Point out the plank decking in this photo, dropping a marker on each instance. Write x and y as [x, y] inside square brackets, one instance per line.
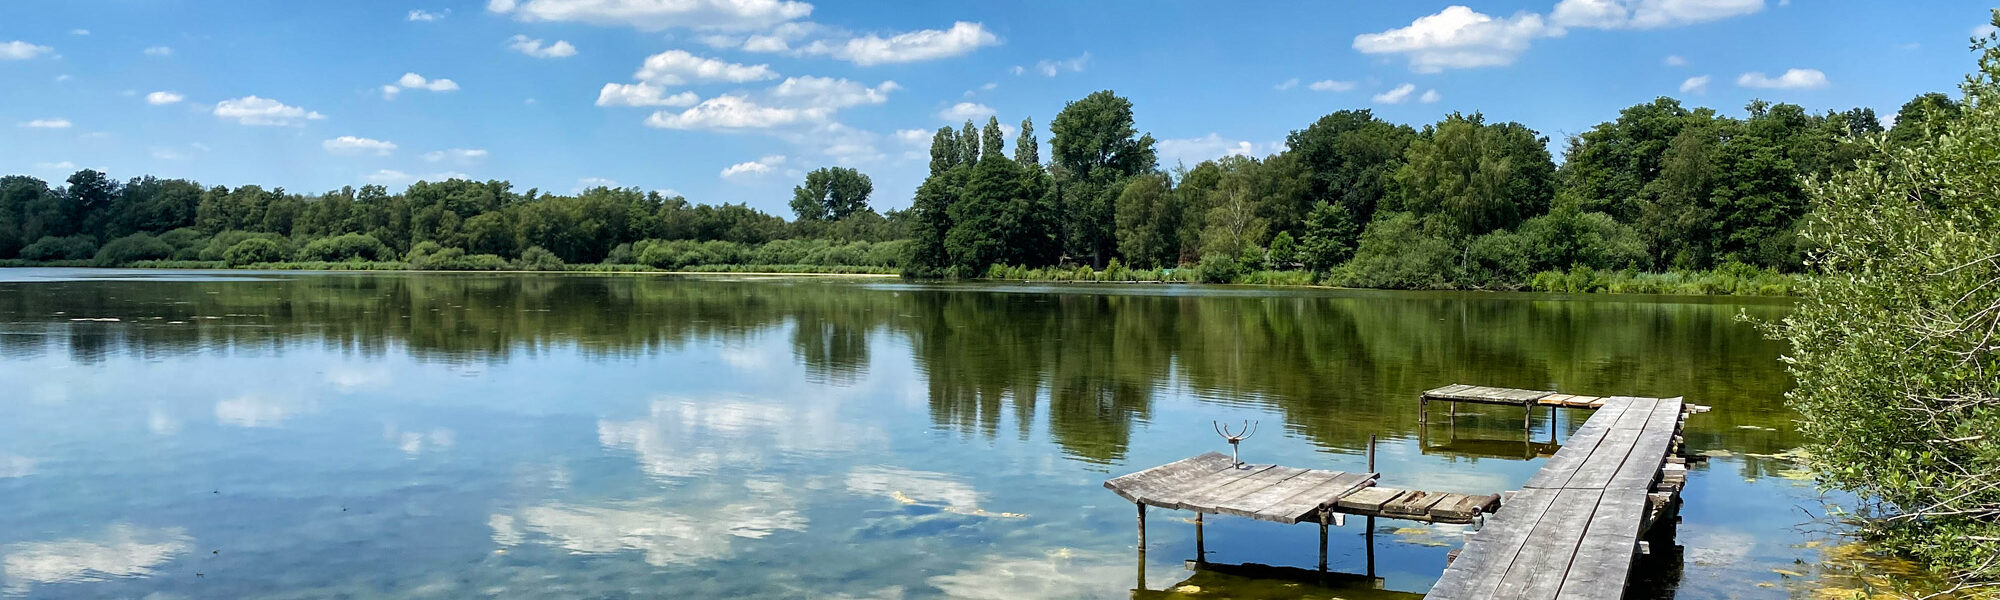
[1573, 529]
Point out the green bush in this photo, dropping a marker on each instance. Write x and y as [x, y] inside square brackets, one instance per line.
[621, 254]
[536, 258]
[135, 247]
[252, 251]
[75, 247]
[347, 247]
[1218, 268]
[1395, 252]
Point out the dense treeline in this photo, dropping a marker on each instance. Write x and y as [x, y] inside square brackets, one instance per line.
[450, 224]
[1354, 200]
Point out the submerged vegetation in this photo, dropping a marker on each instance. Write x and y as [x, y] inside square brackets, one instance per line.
[1893, 341]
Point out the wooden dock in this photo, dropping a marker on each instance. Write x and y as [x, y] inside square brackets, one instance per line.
[1574, 529]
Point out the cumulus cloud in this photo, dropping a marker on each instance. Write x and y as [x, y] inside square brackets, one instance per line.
[415, 81]
[426, 16]
[159, 51]
[393, 178]
[56, 123]
[642, 94]
[732, 112]
[1189, 151]
[19, 50]
[1695, 85]
[1793, 79]
[913, 46]
[351, 145]
[158, 98]
[1430, 96]
[675, 67]
[655, 15]
[55, 166]
[253, 110]
[965, 111]
[914, 136]
[1674, 60]
[463, 155]
[1396, 95]
[1983, 30]
[830, 93]
[1051, 68]
[1458, 38]
[756, 167]
[1286, 84]
[534, 47]
[79, 31]
[1329, 85]
[1647, 14]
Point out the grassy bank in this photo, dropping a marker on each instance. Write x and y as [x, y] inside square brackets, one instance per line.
[490, 267]
[1729, 281]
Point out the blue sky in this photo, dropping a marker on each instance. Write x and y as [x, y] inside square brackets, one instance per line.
[732, 100]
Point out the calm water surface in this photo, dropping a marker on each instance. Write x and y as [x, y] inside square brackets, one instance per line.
[286, 435]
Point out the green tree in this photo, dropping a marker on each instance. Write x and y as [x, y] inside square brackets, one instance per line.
[990, 139]
[1148, 214]
[968, 145]
[1027, 150]
[1891, 342]
[944, 150]
[1464, 178]
[1330, 237]
[1924, 118]
[1095, 147]
[1350, 158]
[979, 233]
[831, 194]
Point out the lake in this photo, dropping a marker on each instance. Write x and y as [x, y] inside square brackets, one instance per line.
[304, 435]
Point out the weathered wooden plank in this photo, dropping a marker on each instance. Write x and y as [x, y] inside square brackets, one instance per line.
[1637, 412]
[1414, 504]
[1449, 389]
[1136, 486]
[1604, 557]
[1489, 553]
[1197, 487]
[1463, 507]
[1649, 454]
[1576, 450]
[1583, 401]
[1209, 499]
[1250, 505]
[1368, 499]
[1538, 572]
[1554, 400]
[1304, 503]
[1605, 459]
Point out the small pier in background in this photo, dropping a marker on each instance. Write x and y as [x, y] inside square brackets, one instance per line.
[1572, 531]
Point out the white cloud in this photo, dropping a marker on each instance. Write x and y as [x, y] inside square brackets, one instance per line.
[1017, 70]
[1647, 14]
[1674, 60]
[675, 67]
[533, 47]
[756, 167]
[1190, 151]
[1286, 84]
[426, 16]
[642, 94]
[831, 93]
[252, 110]
[418, 82]
[912, 46]
[732, 112]
[393, 178]
[655, 15]
[1793, 79]
[464, 155]
[964, 111]
[1050, 68]
[159, 51]
[914, 136]
[389, 92]
[1430, 97]
[159, 98]
[56, 123]
[19, 50]
[1695, 85]
[1397, 95]
[351, 145]
[1983, 30]
[990, 85]
[1329, 85]
[55, 166]
[594, 182]
[62, 78]
[169, 154]
[79, 31]
[1458, 38]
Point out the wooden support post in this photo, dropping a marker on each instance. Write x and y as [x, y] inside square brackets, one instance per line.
[1142, 527]
[1371, 545]
[1322, 538]
[1200, 545]
[1371, 453]
[1423, 410]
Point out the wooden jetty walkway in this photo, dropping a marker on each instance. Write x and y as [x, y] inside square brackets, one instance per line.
[1572, 531]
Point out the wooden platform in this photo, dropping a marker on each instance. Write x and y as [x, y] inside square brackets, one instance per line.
[1212, 484]
[1573, 530]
